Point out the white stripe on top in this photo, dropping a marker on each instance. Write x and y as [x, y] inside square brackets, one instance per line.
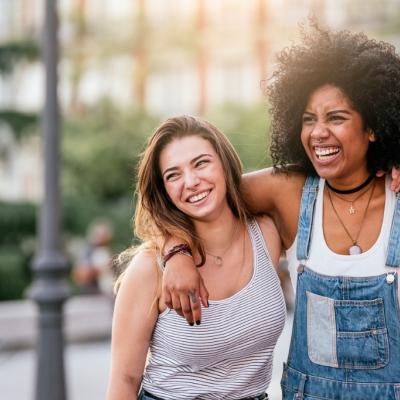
[228, 356]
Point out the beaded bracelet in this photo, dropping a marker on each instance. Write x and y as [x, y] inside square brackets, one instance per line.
[181, 248]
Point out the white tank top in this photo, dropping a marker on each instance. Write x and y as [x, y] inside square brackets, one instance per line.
[228, 356]
[324, 261]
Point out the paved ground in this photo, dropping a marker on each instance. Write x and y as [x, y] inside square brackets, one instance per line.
[87, 363]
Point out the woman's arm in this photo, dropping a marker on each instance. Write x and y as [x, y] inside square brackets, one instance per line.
[265, 191]
[135, 314]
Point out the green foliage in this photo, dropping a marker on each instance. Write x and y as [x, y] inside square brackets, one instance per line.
[17, 51]
[17, 221]
[100, 152]
[13, 276]
[17, 227]
[247, 129]
[12, 53]
[19, 122]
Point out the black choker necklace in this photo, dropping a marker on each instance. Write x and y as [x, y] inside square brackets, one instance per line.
[349, 191]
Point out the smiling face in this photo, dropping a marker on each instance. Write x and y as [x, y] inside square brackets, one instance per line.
[334, 137]
[194, 178]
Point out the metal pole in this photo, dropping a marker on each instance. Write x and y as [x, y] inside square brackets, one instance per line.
[50, 288]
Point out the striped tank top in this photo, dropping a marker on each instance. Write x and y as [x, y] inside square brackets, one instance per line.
[228, 356]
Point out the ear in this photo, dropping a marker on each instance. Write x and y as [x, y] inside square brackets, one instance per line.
[371, 135]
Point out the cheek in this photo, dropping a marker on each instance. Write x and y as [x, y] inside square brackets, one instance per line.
[304, 139]
[359, 145]
[172, 192]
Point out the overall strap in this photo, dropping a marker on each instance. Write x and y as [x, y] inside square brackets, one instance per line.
[308, 198]
[393, 252]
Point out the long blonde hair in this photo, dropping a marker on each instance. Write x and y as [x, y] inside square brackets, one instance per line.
[156, 217]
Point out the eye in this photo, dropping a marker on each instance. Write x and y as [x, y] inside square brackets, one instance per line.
[172, 177]
[337, 118]
[307, 119]
[202, 162]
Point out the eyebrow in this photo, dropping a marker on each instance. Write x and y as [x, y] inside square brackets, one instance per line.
[170, 169]
[330, 112]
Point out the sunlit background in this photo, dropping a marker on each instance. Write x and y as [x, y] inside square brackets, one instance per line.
[125, 66]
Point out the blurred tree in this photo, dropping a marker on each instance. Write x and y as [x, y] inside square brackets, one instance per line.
[11, 54]
[17, 221]
[100, 150]
[15, 52]
[101, 147]
[247, 128]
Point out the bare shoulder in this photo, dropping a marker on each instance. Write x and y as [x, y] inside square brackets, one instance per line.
[271, 238]
[141, 275]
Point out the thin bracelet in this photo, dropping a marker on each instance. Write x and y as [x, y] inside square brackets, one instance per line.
[181, 248]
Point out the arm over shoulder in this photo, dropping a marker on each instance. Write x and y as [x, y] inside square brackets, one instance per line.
[277, 194]
[267, 189]
[135, 315]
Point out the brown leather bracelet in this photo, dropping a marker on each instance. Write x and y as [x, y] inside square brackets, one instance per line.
[181, 248]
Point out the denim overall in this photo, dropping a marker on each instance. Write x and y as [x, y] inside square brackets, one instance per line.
[346, 330]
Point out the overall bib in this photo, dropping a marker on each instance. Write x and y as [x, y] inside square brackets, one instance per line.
[346, 330]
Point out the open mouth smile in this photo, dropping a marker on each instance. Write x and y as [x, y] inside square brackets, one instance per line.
[198, 197]
[326, 153]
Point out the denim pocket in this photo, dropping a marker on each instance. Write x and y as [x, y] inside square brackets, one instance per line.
[321, 330]
[362, 341]
[346, 333]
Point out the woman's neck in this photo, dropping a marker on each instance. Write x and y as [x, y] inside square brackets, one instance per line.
[349, 183]
[218, 233]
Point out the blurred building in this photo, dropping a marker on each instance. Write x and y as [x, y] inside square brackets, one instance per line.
[164, 57]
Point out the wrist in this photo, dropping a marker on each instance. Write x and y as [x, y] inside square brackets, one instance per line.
[181, 248]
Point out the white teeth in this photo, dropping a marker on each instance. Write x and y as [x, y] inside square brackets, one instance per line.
[324, 153]
[198, 197]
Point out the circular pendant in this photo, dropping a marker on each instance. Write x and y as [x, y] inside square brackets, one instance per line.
[218, 260]
[355, 249]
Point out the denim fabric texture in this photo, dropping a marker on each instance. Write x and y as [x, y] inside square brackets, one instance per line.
[146, 396]
[310, 191]
[142, 396]
[393, 257]
[346, 330]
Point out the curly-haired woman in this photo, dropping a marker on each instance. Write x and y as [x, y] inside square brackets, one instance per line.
[335, 104]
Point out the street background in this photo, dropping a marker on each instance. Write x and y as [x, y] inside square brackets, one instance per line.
[87, 360]
[124, 66]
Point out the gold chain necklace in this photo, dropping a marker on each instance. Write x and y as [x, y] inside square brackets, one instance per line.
[218, 259]
[351, 208]
[355, 247]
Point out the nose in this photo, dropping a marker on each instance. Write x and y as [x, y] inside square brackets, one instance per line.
[319, 131]
[191, 179]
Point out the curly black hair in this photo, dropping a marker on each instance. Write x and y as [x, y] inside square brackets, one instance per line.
[367, 71]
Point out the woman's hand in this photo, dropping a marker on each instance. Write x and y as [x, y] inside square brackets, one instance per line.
[395, 185]
[183, 288]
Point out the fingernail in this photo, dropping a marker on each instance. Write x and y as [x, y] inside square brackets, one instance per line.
[191, 323]
[198, 322]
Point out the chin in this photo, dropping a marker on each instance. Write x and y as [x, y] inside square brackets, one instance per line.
[326, 173]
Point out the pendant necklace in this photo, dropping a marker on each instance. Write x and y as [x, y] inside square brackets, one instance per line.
[352, 209]
[354, 248]
[218, 259]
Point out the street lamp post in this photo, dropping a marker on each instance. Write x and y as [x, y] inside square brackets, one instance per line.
[50, 288]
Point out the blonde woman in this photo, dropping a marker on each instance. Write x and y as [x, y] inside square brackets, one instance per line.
[188, 187]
